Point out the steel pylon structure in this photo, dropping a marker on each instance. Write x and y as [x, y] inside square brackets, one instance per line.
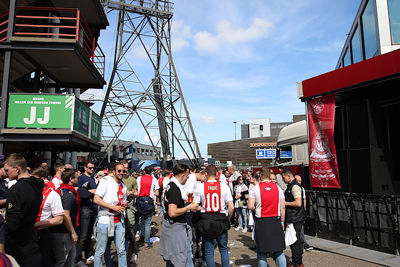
[148, 94]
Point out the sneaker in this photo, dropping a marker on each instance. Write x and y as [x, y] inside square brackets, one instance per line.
[307, 247]
[133, 258]
[244, 230]
[238, 228]
[90, 260]
[149, 245]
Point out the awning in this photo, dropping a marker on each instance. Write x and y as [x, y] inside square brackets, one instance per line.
[379, 68]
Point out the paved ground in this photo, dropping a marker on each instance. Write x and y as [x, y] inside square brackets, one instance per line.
[241, 255]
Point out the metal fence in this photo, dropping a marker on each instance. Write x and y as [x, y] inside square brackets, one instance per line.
[369, 221]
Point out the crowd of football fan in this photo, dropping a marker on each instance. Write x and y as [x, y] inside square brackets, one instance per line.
[67, 217]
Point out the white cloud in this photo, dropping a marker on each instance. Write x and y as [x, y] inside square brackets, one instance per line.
[207, 120]
[184, 156]
[332, 47]
[181, 34]
[153, 137]
[138, 50]
[228, 35]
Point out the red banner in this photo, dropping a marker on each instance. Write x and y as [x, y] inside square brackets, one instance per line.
[323, 161]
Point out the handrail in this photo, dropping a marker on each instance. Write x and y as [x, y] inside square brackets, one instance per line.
[3, 26]
[51, 22]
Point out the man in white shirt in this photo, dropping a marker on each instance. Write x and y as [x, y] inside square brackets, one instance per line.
[191, 182]
[111, 197]
[50, 215]
[214, 196]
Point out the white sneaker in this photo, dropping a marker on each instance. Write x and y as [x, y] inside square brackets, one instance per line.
[238, 228]
[133, 258]
[90, 260]
[244, 231]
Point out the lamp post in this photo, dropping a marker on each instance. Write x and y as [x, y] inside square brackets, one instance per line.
[235, 128]
[235, 152]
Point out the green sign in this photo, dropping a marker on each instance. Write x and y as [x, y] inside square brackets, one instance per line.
[240, 164]
[40, 111]
[247, 164]
[95, 126]
[52, 111]
[259, 163]
[81, 117]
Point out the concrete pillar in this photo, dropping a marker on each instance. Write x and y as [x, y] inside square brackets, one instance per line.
[47, 158]
[74, 154]
[74, 159]
[67, 157]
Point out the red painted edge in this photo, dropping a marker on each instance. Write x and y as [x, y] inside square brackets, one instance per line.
[368, 70]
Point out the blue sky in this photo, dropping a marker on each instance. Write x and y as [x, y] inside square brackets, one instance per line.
[239, 60]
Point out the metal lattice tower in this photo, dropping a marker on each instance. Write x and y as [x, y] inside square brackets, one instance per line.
[151, 94]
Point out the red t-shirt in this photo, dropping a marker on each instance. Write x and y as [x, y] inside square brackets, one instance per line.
[212, 195]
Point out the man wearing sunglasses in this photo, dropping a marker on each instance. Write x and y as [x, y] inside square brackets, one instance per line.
[86, 190]
[111, 197]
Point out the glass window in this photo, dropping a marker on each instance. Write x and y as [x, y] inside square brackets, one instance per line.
[394, 15]
[346, 58]
[356, 46]
[369, 30]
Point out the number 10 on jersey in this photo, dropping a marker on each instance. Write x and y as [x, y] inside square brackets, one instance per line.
[213, 202]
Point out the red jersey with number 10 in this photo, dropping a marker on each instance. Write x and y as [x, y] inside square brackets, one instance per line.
[212, 195]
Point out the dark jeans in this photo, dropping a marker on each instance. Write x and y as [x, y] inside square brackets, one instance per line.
[65, 250]
[303, 238]
[48, 246]
[87, 218]
[297, 247]
[130, 236]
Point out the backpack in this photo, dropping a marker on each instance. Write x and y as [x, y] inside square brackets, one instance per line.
[145, 205]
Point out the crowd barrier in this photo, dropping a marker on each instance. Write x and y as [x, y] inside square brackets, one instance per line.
[369, 221]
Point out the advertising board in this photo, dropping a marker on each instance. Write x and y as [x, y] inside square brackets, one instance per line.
[52, 111]
[40, 111]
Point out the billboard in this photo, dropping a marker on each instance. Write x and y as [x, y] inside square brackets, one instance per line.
[51, 111]
[40, 111]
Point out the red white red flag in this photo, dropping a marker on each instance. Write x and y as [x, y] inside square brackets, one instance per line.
[323, 160]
